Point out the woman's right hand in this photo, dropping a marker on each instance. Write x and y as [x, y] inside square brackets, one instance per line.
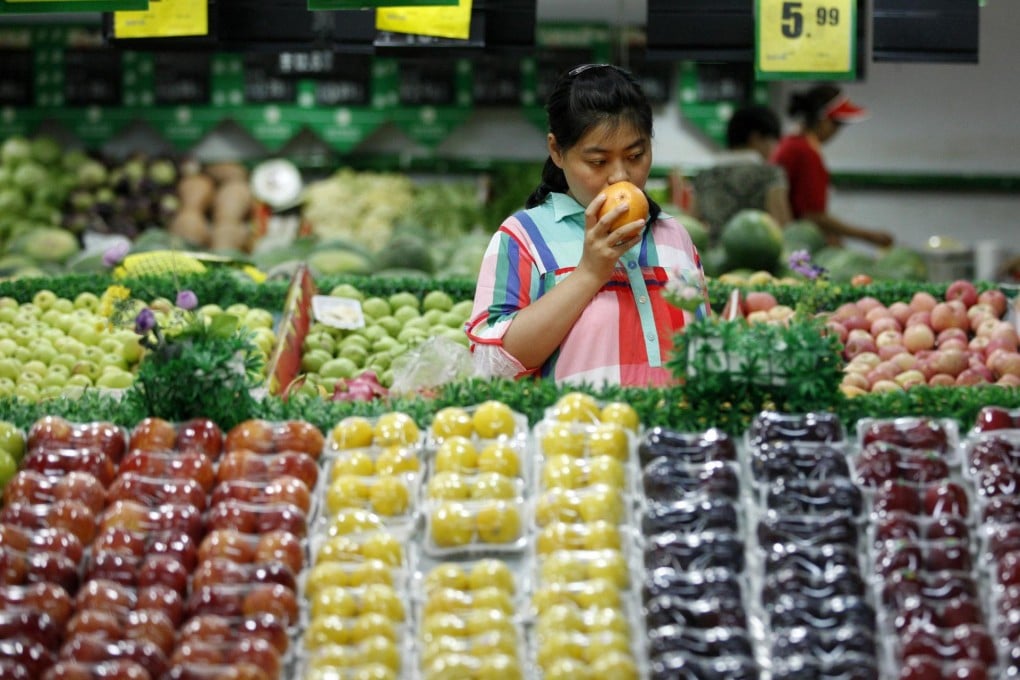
[604, 245]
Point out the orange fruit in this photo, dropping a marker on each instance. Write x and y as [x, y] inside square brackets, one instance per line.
[625, 192]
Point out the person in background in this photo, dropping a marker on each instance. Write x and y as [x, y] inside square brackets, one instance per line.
[821, 110]
[741, 178]
[560, 294]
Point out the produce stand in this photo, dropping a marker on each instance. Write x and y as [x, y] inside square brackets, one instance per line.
[756, 522]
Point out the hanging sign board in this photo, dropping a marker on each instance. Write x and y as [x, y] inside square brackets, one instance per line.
[440, 22]
[164, 19]
[364, 4]
[805, 39]
[70, 6]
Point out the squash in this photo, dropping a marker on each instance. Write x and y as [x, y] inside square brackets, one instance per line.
[232, 202]
[196, 192]
[191, 225]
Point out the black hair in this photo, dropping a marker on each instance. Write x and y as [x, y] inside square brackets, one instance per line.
[584, 97]
[748, 120]
[809, 105]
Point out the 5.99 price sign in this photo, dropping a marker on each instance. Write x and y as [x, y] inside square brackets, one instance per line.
[805, 39]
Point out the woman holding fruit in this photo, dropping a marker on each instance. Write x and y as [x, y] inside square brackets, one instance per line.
[571, 288]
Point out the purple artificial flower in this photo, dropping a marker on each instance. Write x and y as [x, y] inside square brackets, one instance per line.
[187, 299]
[800, 262]
[115, 253]
[145, 321]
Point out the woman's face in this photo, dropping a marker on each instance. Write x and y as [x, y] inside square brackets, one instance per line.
[606, 154]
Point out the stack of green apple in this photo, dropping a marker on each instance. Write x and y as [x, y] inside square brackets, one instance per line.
[393, 325]
[53, 346]
[12, 449]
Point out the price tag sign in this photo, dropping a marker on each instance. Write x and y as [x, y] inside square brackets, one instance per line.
[805, 39]
[440, 22]
[164, 19]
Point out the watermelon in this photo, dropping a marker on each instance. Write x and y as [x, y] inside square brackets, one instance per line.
[697, 230]
[843, 264]
[714, 262]
[803, 235]
[752, 240]
[900, 264]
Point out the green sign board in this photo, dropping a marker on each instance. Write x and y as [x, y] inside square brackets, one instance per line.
[69, 6]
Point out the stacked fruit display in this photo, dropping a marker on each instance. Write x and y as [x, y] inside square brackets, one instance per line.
[392, 326]
[53, 346]
[961, 340]
[153, 554]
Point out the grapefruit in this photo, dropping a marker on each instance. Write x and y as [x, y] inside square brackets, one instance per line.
[624, 192]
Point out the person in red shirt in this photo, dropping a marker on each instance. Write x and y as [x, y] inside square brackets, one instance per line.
[821, 110]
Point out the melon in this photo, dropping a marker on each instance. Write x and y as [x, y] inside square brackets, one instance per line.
[900, 264]
[752, 240]
[697, 230]
[803, 235]
[45, 244]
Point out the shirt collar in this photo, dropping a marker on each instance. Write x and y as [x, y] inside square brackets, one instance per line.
[564, 206]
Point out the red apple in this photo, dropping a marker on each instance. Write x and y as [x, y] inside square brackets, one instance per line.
[858, 345]
[941, 379]
[922, 301]
[910, 378]
[868, 302]
[918, 319]
[838, 329]
[962, 290]
[847, 310]
[885, 323]
[759, 301]
[949, 315]
[949, 361]
[996, 299]
[856, 322]
[901, 312]
[879, 311]
[891, 351]
[918, 337]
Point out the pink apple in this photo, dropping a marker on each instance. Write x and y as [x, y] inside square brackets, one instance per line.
[852, 391]
[978, 344]
[885, 323]
[962, 290]
[884, 371]
[858, 322]
[978, 313]
[889, 337]
[950, 333]
[985, 325]
[996, 299]
[855, 346]
[950, 361]
[954, 343]
[866, 359]
[922, 301]
[942, 379]
[891, 350]
[759, 300]
[905, 360]
[922, 318]
[970, 376]
[1009, 380]
[1006, 363]
[856, 379]
[846, 310]
[837, 329]
[867, 303]
[949, 315]
[879, 312]
[886, 386]
[918, 337]
[910, 378]
[1006, 331]
[995, 343]
[900, 311]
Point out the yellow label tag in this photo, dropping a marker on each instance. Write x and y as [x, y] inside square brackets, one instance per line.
[164, 19]
[806, 36]
[439, 21]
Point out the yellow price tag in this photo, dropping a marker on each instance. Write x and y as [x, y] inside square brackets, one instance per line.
[164, 19]
[439, 21]
[800, 38]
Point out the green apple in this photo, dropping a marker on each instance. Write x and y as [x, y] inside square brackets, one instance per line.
[7, 314]
[340, 367]
[8, 467]
[79, 379]
[347, 290]
[34, 377]
[85, 333]
[7, 346]
[34, 366]
[44, 299]
[373, 333]
[12, 440]
[458, 336]
[130, 345]
[44, 351]
[418, 322]
[210, 310]
[437, 299]
[92, 353]
[432, 316]
[385, 343]
[22, 354]
[31, 309]
[112, 360]
[57, 379]
[27, 391]
[86, 300]
[375, 307]
[411, 336]
[63, 305]
[87, 368]
[452, 319]
[10, 368]
[404, 299]
[115, 380]
[68, 345]
[405, 315]
[7, 387]
[7, 302]
[356, 340]
[354, 353]
[463, 308]
[66, 360]
[390, 323]
[265, 339]
[52, 334]
[47, 392]
[313, 359]
[110, 344]
[23, 335]
[319, 340]
[256, 317]
[238, 309]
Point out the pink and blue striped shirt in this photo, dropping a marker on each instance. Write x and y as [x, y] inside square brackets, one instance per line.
[625, 333]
